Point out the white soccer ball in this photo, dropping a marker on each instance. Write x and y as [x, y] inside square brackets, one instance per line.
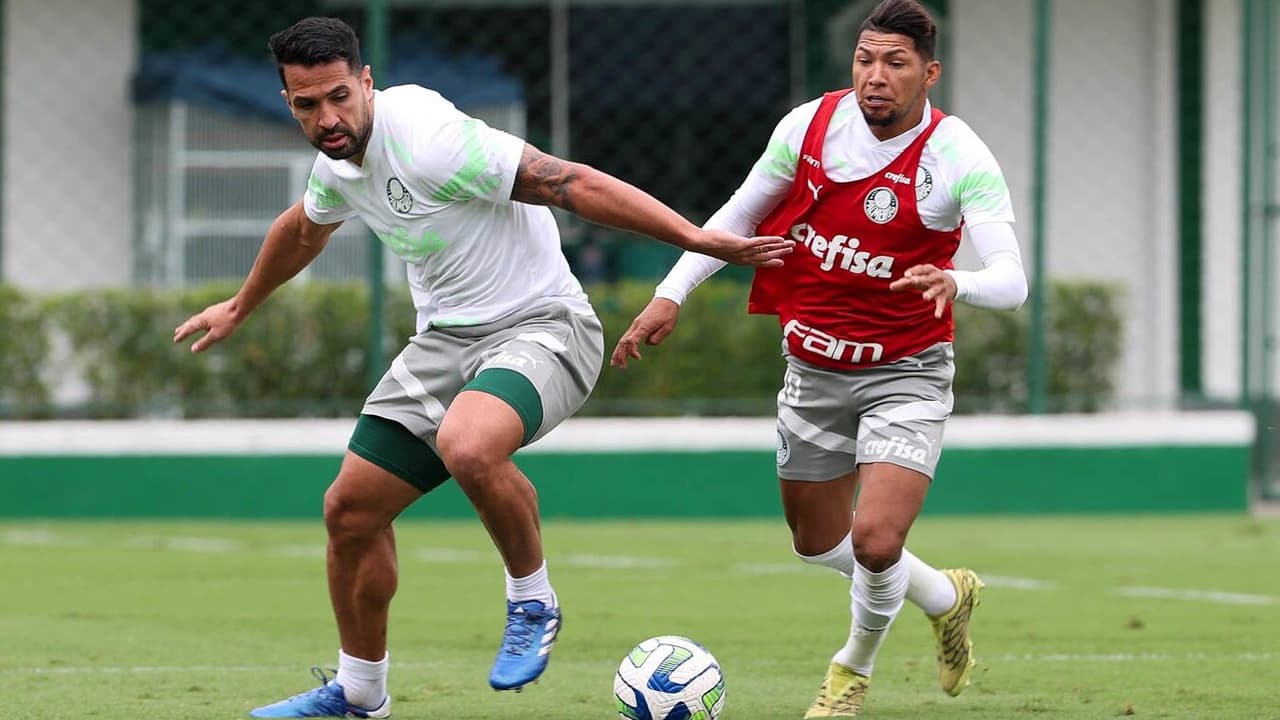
[669, 678]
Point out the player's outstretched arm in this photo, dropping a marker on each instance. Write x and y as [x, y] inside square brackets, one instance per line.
[544, 179]
[292, 242]
[651, 326]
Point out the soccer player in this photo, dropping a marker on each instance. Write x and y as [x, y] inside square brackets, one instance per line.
[507, 346]
[874, 185]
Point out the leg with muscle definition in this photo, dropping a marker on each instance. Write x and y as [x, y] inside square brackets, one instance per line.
[477, 438]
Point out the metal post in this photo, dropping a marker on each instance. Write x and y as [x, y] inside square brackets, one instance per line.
[1037, 376]
[375, 48]
[3, 105]
[1246, 205]
[1267, 366]
[559, 11]
[1190, 102]
[799, 40]
[176, 197]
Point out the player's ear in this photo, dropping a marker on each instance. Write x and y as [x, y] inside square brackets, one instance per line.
[284, 94]
[932, 72]
[366, 79]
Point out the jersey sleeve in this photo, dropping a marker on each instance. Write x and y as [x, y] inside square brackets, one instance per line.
[322, 202]
[978, 186]
[465, 159]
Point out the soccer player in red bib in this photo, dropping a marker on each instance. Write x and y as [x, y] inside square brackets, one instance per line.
[874, 184]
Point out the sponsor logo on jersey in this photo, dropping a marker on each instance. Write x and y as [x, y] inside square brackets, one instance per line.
[895, 447]
[898, 178]
[398, 195]
[520, 359]
[830, 346]
[881, 205]
[811, 160]
[842, 251]
[924, 184]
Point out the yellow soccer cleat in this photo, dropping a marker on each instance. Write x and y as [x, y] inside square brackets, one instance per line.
[841, 694]
[951, 631]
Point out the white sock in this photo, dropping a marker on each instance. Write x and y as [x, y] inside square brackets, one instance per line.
[877, 598]
[838, 558]
[532, 587]
[928, 588]
[363, 682]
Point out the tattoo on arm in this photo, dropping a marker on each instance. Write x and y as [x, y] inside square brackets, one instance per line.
[543, 179]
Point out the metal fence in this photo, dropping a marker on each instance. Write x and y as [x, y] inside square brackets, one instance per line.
[145, 144]
[1260, 231]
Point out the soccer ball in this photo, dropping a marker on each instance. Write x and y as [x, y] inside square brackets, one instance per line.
[669, 678]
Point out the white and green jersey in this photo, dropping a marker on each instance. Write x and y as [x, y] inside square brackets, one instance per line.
[959, 178]
[435, 187]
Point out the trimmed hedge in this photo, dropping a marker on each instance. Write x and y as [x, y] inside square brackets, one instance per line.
[24, 350]
[720, 360]
[302, 354]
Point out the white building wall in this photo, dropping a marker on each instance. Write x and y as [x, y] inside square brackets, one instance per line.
[68, 142]
[1222, 201]
[1111, 165]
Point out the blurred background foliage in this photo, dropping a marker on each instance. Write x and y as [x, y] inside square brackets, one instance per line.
[302, 353]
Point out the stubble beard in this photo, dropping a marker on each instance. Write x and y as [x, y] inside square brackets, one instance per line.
[355, 145]
[885, 119]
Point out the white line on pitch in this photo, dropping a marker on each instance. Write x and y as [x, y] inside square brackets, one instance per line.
[789, 568]
[300, 551]
[1017, 583]
[1132, 657]
[1007, 658]
[614, 561]
[184, 544]
[162, 669]
[1211, 596]
[39, 537]
[32, 537]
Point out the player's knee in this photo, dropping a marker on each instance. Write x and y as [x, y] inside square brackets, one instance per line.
[877, 547]
[468, 457]
[810, 547]
[818, 533]
[346, 517]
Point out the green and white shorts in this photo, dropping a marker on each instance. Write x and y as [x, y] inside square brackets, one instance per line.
[543, 362]
[831, 422]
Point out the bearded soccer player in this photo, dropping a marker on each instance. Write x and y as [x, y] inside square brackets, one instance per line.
[874, 184]
[507, 347]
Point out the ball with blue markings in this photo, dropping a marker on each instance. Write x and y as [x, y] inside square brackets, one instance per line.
[669, 678]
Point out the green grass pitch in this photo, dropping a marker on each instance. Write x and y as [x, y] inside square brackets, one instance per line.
[1153, 617]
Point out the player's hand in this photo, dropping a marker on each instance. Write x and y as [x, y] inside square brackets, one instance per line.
[216, 321]
[651, 327]
[761, 251]
[932, 283]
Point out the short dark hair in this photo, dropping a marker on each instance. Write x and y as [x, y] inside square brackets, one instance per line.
[315, 41]
[904, 17]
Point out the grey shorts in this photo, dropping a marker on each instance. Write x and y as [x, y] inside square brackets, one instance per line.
[830, 422]
[558, 351]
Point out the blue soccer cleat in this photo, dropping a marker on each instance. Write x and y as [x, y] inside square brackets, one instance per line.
[328, 700]
[531, 632]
